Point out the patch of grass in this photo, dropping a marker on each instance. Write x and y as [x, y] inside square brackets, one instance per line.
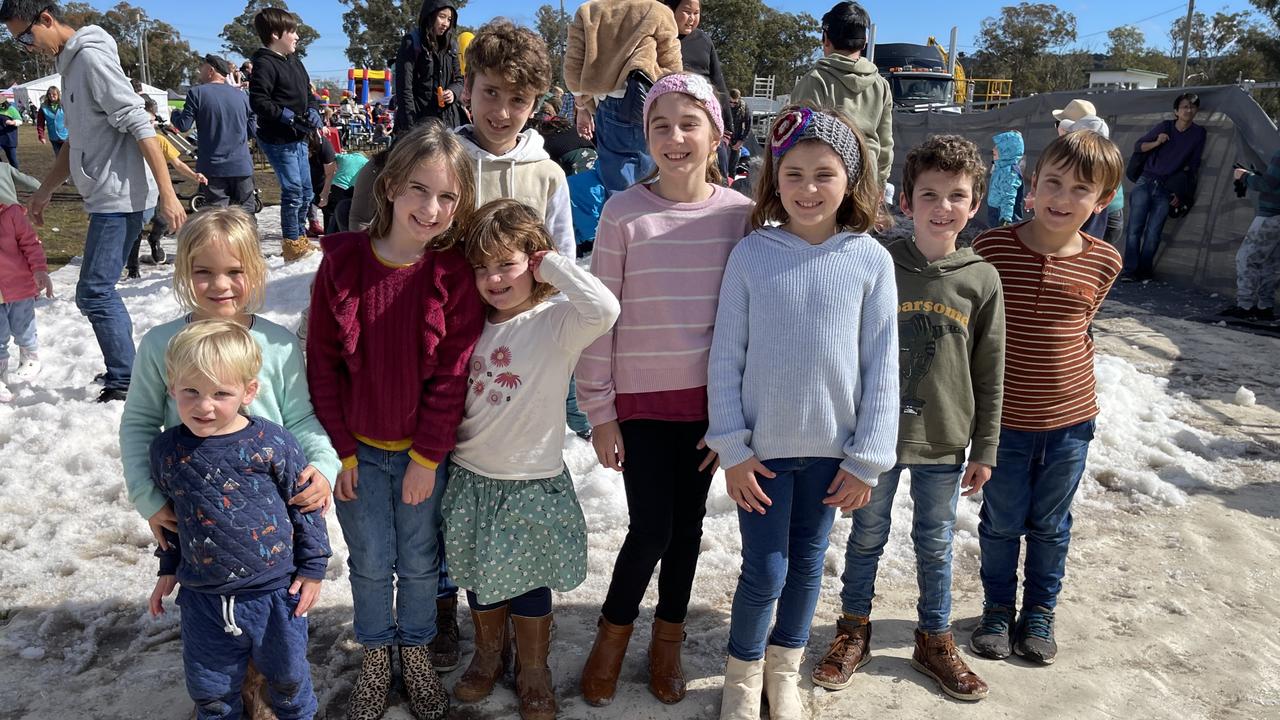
[66, 212]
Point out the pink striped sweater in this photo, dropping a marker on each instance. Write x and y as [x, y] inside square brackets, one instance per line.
[664, 262]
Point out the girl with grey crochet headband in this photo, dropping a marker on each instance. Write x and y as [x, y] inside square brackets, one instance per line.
[803, 390]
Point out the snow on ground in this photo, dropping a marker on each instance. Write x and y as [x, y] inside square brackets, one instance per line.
[76, 564]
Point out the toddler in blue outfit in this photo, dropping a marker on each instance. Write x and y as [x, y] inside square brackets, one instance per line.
[250, 564]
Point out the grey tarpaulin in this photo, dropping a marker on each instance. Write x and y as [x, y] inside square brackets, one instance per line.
[1198, 249]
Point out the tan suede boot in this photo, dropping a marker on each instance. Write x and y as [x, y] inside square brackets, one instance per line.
[295, 248]
[490, 659]
[936, 656]
[666, 675]
[604, 664]
[743, 685]
[533, 676]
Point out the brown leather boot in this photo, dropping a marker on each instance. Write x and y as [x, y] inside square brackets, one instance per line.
[445, 655]
[666, 676]
[257, 704]
[604, 664]
[533, 676]
[490, 659]
[849, 651]
[936, 656]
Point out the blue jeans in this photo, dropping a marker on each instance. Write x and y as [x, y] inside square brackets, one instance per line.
[622, 153]
[214, 660]
[293, 170]
[56, 145]
[17, 320]
[106, 245]
[1030, 493]
[393, 553]
[445, 587]
[935, 489]
[782, 553]
[1148, 209]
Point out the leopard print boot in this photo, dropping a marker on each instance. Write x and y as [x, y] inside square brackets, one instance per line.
[369, 697]
[427, 697]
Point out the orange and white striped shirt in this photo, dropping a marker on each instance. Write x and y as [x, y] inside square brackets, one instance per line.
[1049, 303]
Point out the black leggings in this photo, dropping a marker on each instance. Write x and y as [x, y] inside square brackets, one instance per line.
[535, 603]
[666, 501]
[158, 229]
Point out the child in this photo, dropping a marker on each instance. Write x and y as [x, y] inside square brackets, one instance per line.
[513, 525]
[1258, 260]
[427, 76]
[394, 316]
[24, 274]
[951, 370]
[280, 97]
[1054, 279]
[1004, 204]
[661, 249]
[250, 564]
[804, 419]
[338, 203]
[114, 149]
[158, 228]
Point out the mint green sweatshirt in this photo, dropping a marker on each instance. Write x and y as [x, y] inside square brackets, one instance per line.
[283, 397]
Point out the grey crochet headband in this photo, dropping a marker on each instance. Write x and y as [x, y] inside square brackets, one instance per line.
[803, 123]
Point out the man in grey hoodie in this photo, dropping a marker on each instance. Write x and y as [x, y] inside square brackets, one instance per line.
[850, 83]
[112, 157]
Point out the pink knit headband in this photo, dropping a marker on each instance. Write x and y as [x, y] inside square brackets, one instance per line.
[695, 86]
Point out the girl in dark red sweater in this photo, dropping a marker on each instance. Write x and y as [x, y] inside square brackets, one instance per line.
[394, 317]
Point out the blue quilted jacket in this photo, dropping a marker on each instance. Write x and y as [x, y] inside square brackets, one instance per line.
[237, 534]
[1006, 177]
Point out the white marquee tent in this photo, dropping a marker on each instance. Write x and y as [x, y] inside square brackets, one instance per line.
[33, 92]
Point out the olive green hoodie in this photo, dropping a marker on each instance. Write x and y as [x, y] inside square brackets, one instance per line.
[856, 88]
[951, 356]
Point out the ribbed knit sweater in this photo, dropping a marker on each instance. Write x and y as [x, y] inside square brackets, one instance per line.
[663, 261]
[805, 357]
[387, 347]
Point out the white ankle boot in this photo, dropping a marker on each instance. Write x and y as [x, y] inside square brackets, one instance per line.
[28, 366]
[782, 682]
[743, 684]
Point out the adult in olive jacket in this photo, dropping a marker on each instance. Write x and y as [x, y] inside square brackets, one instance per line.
[428, 77]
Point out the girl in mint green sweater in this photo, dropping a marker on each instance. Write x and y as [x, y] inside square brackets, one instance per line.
[219, 273]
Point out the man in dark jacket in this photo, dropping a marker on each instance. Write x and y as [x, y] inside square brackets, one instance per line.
[428, 76]
[280, 97]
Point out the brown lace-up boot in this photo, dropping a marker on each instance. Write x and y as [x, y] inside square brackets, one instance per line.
[849, 651]
[604, 664]
[936, 656]
[666, 676]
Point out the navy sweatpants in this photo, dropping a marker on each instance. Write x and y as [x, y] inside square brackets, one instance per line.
[215, 659]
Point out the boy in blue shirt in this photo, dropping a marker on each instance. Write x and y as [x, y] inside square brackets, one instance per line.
[249, 563]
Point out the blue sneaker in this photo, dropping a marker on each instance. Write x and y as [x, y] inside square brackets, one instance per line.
[1034, 636]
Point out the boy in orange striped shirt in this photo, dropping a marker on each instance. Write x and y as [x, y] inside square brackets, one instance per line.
[1054, 279]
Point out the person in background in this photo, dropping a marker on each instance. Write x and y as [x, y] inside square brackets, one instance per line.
[24, 274]
[225, 123]
[322, 164]
[10, 120]
[1004, 199]
[1258, 260]
[698, 55]
[847, 81]
[158, 226]
[428, 77]
[51, 123]
[1172, 147]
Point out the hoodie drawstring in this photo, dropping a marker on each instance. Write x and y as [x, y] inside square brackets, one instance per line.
[229, 616]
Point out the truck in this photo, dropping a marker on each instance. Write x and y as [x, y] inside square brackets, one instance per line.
[918, 76]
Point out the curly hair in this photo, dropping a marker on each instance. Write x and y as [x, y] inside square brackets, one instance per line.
[948, 154]
[514, 53]
[502, 228]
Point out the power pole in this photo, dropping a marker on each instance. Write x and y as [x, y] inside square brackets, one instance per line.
[1186, 39]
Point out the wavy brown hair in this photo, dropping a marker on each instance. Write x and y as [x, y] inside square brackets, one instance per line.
[948, 154]
[514, 53]
[863, 201]
[501, 228]
[425, 143]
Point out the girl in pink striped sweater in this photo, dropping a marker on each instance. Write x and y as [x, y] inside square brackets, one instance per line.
[661, 249]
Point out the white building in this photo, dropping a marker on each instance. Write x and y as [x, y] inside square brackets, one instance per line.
[1125, 79]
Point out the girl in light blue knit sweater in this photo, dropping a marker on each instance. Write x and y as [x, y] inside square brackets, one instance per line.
[803, 390]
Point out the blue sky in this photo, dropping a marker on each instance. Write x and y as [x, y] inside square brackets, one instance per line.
[201, 22]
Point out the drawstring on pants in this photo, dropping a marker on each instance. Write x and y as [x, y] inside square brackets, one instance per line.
[229, 616]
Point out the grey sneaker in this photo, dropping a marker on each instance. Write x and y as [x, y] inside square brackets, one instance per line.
[991, 638]
[1034, 636]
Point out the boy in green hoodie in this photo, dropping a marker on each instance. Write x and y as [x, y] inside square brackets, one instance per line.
[850, 83]
[951, 366]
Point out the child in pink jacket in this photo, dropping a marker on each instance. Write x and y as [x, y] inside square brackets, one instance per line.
[23, 275]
